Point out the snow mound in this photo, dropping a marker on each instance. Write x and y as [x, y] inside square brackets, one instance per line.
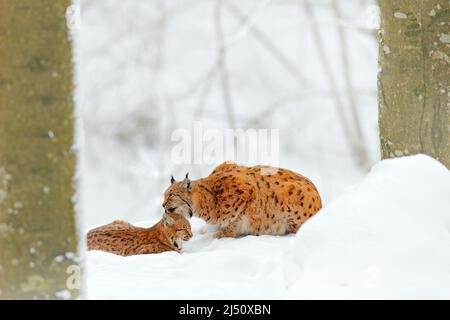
[388, 237]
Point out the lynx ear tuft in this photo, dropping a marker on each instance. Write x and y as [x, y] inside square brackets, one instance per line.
[172, 180]
[187, 182]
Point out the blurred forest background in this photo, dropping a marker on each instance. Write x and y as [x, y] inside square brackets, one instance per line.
[145, 68]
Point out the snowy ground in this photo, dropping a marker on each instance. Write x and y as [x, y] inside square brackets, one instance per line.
[386, 237]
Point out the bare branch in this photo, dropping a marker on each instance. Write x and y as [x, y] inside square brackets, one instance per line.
[221, 63]
[278, 104]
[203, 96]
[330, 78]
[362, 153]
[285, 62]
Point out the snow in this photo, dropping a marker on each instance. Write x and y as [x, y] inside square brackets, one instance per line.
[386, 237]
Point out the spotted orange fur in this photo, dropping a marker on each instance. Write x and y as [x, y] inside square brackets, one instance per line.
[122, 238]
[246, 200]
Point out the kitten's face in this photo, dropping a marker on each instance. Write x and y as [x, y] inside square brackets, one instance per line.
[178, 229]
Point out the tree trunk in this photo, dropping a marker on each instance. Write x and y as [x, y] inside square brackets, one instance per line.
[37, 163]
[414, 81]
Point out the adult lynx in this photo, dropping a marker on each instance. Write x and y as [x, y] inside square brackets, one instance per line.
[246, 200]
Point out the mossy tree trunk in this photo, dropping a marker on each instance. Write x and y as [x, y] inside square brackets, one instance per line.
[37, 163]
[414, 81]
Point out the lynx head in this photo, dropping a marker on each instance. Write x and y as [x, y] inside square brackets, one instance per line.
[177, 198]
[177, 228]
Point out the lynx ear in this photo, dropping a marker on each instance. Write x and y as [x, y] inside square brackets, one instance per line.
[187, 184]
[168, 221]
[172, 180]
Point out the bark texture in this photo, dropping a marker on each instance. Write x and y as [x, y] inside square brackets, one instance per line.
[414, 78]
[37, 164]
